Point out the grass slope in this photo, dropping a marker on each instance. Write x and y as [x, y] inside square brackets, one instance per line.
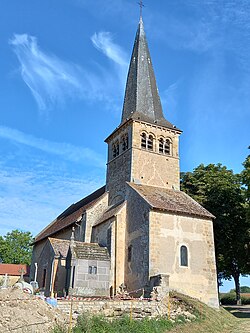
[208, 320]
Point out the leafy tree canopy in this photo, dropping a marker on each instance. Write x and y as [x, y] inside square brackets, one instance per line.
[243, 289]
[15, 247]
[246, 181]
[220, 191]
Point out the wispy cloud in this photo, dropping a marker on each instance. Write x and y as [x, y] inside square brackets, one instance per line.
[169, 99]
[52, 80]
[64, 150]
[103, 42]
[49, 78]
[30, 200]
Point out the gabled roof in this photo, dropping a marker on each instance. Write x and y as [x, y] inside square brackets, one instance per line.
[90, 251]
[142, 101]
[170, 200]
[110, 212]
[60, 246]
[14, 269]
[71, 214]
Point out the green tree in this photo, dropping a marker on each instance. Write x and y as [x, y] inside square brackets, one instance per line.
[220, 191]
[243, 289]
[15, 247]
[246, 181]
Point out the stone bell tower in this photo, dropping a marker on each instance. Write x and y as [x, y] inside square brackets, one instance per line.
[144, 148]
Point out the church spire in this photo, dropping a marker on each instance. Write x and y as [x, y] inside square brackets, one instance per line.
[142, 101]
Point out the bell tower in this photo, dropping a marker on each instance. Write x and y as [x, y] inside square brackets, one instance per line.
[144, 148]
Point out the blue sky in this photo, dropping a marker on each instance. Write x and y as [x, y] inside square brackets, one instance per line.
[62, 74]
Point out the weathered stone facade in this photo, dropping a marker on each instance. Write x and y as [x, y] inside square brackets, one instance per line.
[151, 230]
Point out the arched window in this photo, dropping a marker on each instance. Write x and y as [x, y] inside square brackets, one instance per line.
[125, 142]
[167, 147]
[143, 141]
[115, 149]
[184, 255]
[161, 145]
[150, 142]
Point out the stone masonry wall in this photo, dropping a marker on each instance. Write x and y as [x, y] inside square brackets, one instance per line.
[152, 167]
[168, 233]
[93, 214]
[116, 308]
[137, 236]
[86, 284]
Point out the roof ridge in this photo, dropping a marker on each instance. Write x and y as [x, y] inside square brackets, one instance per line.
[141, 82]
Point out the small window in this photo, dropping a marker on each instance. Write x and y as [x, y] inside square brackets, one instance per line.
[150, 142]
[167, 147]
[164, 146]
[130, 250]
[184, 255]
[143, 141]
[92, 270]
[115, 149]
[161, 145]
[125, 142]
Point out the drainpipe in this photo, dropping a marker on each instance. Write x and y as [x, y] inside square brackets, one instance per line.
[35, 272]
[51, 276]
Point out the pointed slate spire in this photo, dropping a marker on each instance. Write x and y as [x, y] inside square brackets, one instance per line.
[142, 99]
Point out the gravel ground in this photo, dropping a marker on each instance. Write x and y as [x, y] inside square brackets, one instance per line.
[21, 312]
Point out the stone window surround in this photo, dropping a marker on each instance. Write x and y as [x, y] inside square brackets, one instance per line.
[147, 141]
[120, 145]
[92, 270]
[167, 146]
[144, 144]
[184, 261]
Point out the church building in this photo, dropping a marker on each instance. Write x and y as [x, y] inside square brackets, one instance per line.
[139, 225]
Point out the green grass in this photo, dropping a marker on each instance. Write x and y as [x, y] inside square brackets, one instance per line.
[99, 324]
[207, 320]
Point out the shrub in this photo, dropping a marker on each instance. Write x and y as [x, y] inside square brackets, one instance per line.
[245, 300]
[230, 299]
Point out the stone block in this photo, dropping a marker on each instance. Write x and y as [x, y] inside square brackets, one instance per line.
[103, 271]
[97, 285]
[103, 264]
[103, 278]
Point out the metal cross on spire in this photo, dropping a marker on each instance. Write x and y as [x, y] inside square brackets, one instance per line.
[141, 6]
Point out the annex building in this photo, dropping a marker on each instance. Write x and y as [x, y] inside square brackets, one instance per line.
[139, 225]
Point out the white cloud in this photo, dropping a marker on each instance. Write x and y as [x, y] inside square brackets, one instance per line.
[49, 78]
[103, 42]
[63, 150]
[52, 80]
[30, 200]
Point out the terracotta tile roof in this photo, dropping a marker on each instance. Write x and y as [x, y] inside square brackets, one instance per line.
[70, 215]
[60, 246]
[91, 251]
[170, 200]
[14, 269]
[110, 212]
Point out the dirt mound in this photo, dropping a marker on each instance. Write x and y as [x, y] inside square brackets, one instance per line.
[21, 312]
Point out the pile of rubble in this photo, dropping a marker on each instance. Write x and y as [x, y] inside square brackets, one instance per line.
[22, 312]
